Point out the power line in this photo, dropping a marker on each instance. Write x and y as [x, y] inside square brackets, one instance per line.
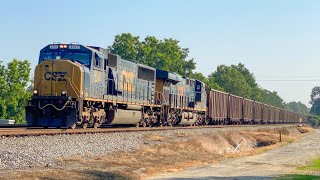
[291, 80]
[289, 76]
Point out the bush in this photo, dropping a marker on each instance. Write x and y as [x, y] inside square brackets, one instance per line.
[314, 121]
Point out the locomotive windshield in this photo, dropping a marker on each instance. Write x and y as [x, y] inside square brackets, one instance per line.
[80, 57]
[77, 53]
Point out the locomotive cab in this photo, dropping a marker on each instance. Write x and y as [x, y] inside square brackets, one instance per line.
[58, 85]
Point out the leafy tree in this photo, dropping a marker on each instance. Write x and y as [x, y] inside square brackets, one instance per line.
[3, 90]
[314, 121]
[14, 80]
[209, 81]
[164, 54]
[255, 90]
[127, 46]
[231, 80]
[238, 80]
[315, 94]
[297, 107]
[315, 101]
[272, 98]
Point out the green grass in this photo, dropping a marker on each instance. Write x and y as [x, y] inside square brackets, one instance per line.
[298, 177]
[313, 166]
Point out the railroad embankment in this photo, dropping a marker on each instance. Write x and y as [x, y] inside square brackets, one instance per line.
[140, 155]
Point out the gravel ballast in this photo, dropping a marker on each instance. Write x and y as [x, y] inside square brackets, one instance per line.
[43, 151]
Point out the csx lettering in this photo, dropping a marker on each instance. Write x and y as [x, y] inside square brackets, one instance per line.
[55, 76]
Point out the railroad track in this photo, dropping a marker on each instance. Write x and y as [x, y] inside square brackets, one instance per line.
[21, 132]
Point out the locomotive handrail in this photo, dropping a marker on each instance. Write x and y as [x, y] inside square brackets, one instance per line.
[73, 86]
[58, 109]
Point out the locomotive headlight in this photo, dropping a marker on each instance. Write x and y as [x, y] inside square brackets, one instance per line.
[35, 92]
[63, 46]
[63, 93]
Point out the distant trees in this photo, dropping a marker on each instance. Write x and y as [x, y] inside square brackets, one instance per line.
[315, 101]
[238, 80]
[14, 80]
[315, 108]
[297, 107]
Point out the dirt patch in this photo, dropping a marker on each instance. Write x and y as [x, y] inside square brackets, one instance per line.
[154, 137]
[168, 155]
[305, 129]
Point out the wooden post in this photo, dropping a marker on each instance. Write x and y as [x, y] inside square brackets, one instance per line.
[280, 135]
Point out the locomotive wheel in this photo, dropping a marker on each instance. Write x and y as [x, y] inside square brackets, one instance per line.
[96, 125]
[73, 126]
[84, 125]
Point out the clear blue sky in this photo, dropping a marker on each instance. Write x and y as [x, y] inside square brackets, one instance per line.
[275, 39]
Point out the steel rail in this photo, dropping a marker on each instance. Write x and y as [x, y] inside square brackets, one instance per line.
[23, 132]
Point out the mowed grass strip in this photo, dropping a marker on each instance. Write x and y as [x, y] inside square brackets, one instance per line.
[313, 166]
[298, 177]
[308, 172]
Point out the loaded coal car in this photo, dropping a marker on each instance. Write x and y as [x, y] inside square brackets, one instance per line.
[87, 85]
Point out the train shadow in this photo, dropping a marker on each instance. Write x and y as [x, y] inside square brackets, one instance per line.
[95, 174]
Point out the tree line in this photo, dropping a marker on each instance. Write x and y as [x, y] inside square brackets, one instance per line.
[165, 54]
[15, 89]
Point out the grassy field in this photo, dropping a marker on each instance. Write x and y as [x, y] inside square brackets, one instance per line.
[313, 166]
[305, 172]
[299, 177]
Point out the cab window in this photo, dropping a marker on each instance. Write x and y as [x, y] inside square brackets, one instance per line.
[98, 61]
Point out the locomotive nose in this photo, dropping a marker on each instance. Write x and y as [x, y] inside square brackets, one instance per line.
[58, 77]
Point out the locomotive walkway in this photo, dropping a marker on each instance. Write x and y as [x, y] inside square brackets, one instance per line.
[273, 163]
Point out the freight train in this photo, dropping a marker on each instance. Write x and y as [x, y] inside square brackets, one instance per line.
[87, 86]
